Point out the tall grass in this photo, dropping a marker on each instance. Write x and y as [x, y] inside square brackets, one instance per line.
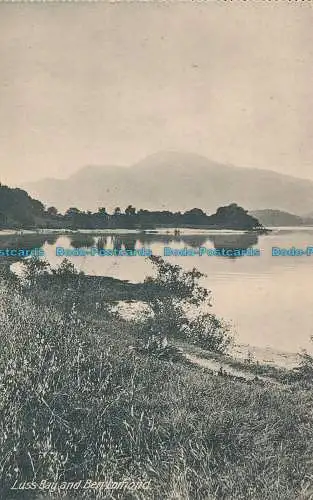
[77, 403]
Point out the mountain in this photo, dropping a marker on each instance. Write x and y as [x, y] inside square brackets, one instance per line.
[308, 215]
[278, 218]
[175, 181]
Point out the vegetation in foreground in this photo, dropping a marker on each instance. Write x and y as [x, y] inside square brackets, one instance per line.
[77, 403]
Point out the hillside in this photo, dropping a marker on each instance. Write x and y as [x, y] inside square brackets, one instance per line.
[145, 413]
[278, 218]
[175, 181]
[18, 209]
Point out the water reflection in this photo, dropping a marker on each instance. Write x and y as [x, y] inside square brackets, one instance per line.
[28, 241]
[194, 241]
[130, 243]
[166, 239]
[232, 241]
[102, 242]
[219, 241]
[133, 241]
[117, 242]
[82, 241]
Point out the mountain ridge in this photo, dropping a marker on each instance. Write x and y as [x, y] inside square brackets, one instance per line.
[176, 181]
[279, 218]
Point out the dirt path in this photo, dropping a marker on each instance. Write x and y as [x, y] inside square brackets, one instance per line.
[222, 368]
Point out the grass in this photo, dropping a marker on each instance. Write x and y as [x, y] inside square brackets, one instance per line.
[77, 403]
[279, 374]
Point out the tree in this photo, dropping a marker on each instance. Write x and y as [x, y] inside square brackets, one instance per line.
[197, 212]
[74, 216]
[18, 208]
[3, 219]
[117, 211]
[234, 217]
[195, 216]
[66, 269]
[178, 311]
[52, 211]
[37, 207]
[130, 210]
[35, 267]
[102, 211]
[72, 211]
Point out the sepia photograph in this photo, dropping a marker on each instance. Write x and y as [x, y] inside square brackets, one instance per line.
[156, 250]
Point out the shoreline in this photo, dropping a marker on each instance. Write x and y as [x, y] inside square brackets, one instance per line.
[125, 291]
[237, 364]
[162, 230]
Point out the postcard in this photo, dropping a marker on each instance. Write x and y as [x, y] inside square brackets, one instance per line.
[156, 250]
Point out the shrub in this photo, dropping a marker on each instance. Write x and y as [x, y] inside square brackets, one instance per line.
[209, 332]
[66, 270]
[178, 313]
[34, 267]
[304, 372]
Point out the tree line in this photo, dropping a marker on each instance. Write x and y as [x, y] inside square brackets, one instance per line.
[19, 210]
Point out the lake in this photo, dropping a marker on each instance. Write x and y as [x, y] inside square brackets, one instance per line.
[267, 299]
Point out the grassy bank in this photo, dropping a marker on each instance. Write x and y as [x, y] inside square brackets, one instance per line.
[76, 402]
[247, 365]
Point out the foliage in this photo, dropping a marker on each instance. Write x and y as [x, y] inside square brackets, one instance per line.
[34, 267]
[77, 403]
[178, 313]
[303, 373]
[182, 285]
[18, 209]
[209, 332]
[52, 211]
[234, 217]
[66, 269]
[130, 210]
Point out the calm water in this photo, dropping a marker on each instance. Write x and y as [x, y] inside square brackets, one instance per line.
[268, 300]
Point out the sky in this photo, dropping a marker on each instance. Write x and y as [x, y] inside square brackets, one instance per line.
[109, 83]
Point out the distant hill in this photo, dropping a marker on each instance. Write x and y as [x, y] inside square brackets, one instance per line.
[278, 218]
[175, 181]
[308, 216]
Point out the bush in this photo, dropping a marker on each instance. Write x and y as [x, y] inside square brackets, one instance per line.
[209, 332]
[304, 372]
[34, 267]
[66, 270]
[179, 312]
[179, 284]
